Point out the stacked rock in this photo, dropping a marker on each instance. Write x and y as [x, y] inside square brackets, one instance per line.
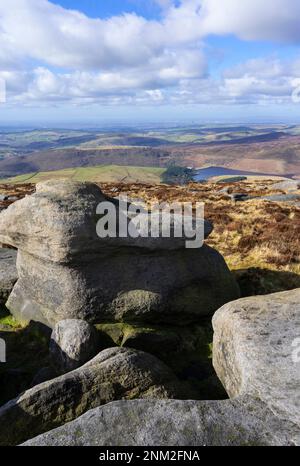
[149, 293]
[66, 271]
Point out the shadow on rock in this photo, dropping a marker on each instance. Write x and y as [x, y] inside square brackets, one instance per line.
[27, 351]
[256, 281]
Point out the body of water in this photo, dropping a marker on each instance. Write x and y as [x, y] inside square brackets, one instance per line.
[204, 174]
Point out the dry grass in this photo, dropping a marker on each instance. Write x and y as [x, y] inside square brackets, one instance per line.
[259, 240]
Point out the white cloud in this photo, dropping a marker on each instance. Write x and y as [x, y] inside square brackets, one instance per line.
[261, 79]
[49, 53]
[274, 20]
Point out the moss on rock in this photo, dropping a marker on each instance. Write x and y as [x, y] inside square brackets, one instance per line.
[26, 353]
[186, 350]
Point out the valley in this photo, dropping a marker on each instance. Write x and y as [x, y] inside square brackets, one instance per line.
[259, 149]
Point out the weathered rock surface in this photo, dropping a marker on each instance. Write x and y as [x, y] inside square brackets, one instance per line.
[289, 198]
[67, 272]
[253, 350]
[58, 223]
[8, 272]
[288, 185]
[176, 287]
[186, 350]
[73, 343]
[243, 422]
[116, 373]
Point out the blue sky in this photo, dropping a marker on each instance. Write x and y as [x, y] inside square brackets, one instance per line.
[235, 50]
[148, 60]
[107, 8]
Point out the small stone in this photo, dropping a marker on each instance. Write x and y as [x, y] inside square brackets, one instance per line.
[239, 197]
[73, 342]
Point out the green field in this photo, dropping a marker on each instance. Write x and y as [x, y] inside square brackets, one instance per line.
[100, 174]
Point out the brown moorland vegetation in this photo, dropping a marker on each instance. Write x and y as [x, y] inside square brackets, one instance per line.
[260, 240]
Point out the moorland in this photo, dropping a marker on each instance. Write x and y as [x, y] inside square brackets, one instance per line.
[273, 150]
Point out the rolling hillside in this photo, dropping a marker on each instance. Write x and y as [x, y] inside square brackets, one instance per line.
[275, 151]
[61, 159]
[100, 174]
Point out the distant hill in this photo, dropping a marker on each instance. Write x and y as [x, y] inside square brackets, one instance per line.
[100, 174]
[73, 158]
[272, 136]
[260, 149]
[277, 157]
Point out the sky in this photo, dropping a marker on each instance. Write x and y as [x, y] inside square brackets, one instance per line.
[95, 61]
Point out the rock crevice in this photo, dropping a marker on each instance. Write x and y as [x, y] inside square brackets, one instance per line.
[253, 356]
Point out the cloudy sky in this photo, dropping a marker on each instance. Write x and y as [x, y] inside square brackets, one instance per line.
[150, 60]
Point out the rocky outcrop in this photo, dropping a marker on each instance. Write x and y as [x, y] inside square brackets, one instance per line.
[185, 349]
[288, 198]
[255, 349]
[67, 272]
[256, 356]
[114, 374]
[176, 423]
[8, 273]
[73, 342]
[287, 185]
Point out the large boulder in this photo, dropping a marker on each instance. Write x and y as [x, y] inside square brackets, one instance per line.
[67, 272]
[255, 345]
[171, 422]
[114, 374]
[8, 273]
[256, 355]
[73, 343]
[58, 223]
